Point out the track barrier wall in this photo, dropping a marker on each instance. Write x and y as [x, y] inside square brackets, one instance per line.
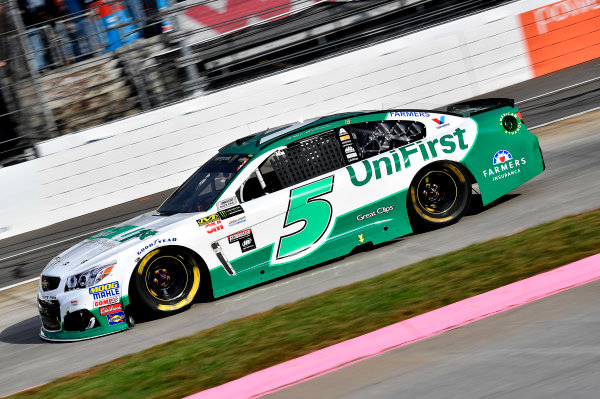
[147, 153]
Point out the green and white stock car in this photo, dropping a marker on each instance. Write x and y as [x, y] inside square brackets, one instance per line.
[286, 199]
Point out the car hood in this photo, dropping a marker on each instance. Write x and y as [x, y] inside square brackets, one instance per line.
[109, 242]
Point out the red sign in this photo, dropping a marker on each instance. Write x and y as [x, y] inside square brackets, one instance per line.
[562, 34]
[106, 301]
[111, 309]
[215, 226]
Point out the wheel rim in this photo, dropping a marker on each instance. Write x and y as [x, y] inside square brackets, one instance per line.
[166, 278]
[437, 192]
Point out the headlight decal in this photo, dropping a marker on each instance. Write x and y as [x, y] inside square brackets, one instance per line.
[90, 277]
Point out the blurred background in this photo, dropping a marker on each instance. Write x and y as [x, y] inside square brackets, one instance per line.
[68, 65]
[109, 101]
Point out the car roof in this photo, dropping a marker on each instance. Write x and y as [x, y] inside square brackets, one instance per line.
[256, 143]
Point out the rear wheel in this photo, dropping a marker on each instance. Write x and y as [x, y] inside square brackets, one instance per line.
[439, 195]
[166, 280]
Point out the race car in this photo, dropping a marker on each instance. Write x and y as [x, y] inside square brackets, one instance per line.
[286, 199]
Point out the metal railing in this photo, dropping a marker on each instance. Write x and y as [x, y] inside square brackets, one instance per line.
[72, 82]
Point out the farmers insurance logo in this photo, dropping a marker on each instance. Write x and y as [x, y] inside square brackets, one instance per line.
[504, 166]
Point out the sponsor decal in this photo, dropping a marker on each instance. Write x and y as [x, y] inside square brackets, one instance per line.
[501, 157]
[379, 211]
[106, 301]
[115, 318]
[361, 238]
[243, 162]
[106, 272]
[395, 160]
[106, 242]
[122, 234]
[567, 27]
[409, 114]
[208, 219]
[215, 226]
[504, 166]
[517, 128]
[74, 302]
[245, 238]
[248, 244]
[347, 121]
[111, 309]
[226, 203]
[235, 221]
[48, 297]
[349, 150]
[230, 212]
[441, 121]
[156, 243]
[105, 290]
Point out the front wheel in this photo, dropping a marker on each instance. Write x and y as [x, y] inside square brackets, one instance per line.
[439, 195]
[166, 280]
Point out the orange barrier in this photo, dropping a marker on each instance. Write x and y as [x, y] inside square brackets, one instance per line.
[562, 34]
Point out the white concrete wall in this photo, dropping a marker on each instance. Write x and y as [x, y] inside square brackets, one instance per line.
[157, 150]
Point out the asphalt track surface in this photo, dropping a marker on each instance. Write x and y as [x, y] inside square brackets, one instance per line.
[546, 349]
[570, 184]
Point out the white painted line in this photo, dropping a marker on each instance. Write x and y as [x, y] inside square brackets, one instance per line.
[565, 118]
[50, 245]
[18, 284]
[559, 90]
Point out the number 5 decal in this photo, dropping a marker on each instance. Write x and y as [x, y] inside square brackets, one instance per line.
[305, 207]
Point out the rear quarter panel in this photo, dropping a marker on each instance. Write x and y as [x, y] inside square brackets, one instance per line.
[501, 161]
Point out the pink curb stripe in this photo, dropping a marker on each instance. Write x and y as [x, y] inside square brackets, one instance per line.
[403, 333]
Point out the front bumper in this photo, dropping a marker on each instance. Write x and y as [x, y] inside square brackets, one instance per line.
[59, 323]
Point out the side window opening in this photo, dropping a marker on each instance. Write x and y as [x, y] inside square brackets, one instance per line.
[373, 138]
[299, 161]
[251, 189]
[308, 158]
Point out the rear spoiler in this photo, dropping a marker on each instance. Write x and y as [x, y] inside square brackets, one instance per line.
[474, 107]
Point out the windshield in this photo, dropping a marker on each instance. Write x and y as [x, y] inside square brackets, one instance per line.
[199, 191]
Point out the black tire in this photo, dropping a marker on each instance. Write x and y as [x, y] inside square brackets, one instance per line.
[166, 280]
[439, 195]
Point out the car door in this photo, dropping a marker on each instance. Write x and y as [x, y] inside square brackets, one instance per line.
[287, 204]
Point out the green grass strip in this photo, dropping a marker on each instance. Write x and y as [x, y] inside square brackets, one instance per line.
[234, 349]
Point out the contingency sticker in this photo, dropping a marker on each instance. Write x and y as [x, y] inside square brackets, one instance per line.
[226, 203]
[208, 219]
[115, 318]
[245, 238]
[347, 146]
[111, 309]
[108, 290]
[230, 212]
